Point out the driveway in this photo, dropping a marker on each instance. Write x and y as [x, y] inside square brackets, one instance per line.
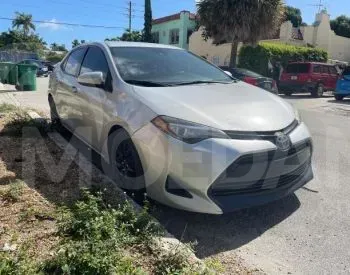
[306, 233]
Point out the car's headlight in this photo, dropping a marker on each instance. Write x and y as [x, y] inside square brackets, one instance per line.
[186, 131]
[297, 115]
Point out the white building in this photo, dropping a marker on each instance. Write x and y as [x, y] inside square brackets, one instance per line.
[318, 35]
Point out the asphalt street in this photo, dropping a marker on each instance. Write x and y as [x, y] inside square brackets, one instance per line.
[306, 233]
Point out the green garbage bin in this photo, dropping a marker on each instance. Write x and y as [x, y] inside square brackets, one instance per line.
[13, 74]
[26, 77]
[4, 72]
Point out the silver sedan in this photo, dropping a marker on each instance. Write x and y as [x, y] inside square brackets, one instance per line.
[177, 127]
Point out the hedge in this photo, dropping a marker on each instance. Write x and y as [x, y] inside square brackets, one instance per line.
[257, 58]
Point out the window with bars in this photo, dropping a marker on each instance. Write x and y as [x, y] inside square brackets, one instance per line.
[174, 36]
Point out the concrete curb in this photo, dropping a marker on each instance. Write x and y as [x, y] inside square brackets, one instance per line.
[163, 245]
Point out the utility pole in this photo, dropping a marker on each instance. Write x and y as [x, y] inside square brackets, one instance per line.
[130, 14]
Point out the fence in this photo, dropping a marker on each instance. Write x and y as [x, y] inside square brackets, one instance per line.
[16, 56]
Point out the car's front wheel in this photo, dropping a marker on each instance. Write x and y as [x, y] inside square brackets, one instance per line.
[338, 97]
[125, 164]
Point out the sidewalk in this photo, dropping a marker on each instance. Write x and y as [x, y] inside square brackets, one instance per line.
[34, 99]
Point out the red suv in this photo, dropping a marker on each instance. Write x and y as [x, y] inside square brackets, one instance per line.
[315, 78]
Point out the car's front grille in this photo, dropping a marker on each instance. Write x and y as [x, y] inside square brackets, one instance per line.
[267, 135]
[259, 172]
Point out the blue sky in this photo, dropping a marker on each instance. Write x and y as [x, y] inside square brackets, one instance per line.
[111, 13]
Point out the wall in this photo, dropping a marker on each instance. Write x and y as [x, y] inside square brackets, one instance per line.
[319, 35]
[183, 24]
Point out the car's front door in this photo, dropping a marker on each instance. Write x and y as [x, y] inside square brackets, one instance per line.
[67, 102]
[94, 100]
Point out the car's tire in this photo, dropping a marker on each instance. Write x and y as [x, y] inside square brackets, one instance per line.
[125, 164]
[55, 118]
[338, 97]
[287, 93]
[318, 91]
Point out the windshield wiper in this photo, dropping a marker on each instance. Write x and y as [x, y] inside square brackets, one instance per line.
[202, 82]
[145, 83]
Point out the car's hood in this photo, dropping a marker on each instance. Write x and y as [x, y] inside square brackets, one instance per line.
[237, 106]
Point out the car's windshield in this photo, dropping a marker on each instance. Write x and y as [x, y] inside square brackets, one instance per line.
[140, 65]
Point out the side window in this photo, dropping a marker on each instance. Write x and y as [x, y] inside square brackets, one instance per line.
[325, 70]
[332, 71]
[317, 69]
[73, 62]
[95, 61]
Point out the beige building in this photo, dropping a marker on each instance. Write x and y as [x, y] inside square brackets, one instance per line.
[318, 35]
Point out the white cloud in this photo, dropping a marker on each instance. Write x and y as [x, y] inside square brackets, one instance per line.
[51, 25]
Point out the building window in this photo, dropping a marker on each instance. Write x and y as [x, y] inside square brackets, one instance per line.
[174, 36]
[155, 37]
[189, 33]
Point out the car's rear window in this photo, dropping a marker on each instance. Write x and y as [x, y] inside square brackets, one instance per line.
[298, 68]
[346, 71]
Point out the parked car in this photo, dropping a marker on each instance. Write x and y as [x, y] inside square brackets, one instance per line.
[309, 77]
[49, 65]
[253, 78]
[188, 134]
[42, 68]
[343, 85]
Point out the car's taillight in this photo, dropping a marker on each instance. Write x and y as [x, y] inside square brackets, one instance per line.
[250, 80]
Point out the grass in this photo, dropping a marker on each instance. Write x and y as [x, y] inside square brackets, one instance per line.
[5, 108]
[13, 192]
[86, 237]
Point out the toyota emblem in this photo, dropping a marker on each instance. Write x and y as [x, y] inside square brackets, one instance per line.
[282, 141]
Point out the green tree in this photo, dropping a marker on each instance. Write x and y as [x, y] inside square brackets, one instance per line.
[234, 21]
[134, 36]
[294, 15]
[23, 22]
[17, 40]
[147, 31]
[341, 26]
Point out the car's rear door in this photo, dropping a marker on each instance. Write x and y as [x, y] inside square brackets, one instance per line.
[66, 100]
[94, 101]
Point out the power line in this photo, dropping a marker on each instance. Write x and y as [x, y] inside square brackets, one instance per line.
[68, 24]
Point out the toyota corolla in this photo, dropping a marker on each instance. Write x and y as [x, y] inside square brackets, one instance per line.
[173, 125]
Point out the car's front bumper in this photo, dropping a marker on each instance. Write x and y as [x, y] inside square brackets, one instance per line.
[196, 169]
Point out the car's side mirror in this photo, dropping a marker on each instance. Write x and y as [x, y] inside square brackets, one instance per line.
[92, 79]
[228, 73]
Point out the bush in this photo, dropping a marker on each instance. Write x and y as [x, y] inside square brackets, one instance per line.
[257, 58]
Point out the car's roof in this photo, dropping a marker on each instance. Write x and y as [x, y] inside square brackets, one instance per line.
[113, 44]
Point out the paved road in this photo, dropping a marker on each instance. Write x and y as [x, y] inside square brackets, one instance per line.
[307, 233]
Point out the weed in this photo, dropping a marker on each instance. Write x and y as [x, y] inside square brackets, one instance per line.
[94, 235]
[6, 108]
[18, 264]
[173, 263]
[17, 120]
[13, 192]
[214, 266]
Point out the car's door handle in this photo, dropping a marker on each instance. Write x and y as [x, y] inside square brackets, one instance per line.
[74, 89]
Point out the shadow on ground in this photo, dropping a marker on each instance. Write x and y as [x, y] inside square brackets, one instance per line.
[46, 168]
[305, 96]
[215, 234]
[345, 102]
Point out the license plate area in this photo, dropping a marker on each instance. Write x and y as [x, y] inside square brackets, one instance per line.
[294, 77]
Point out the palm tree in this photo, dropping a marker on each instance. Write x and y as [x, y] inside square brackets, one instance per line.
[234, 21]
[23, 21]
